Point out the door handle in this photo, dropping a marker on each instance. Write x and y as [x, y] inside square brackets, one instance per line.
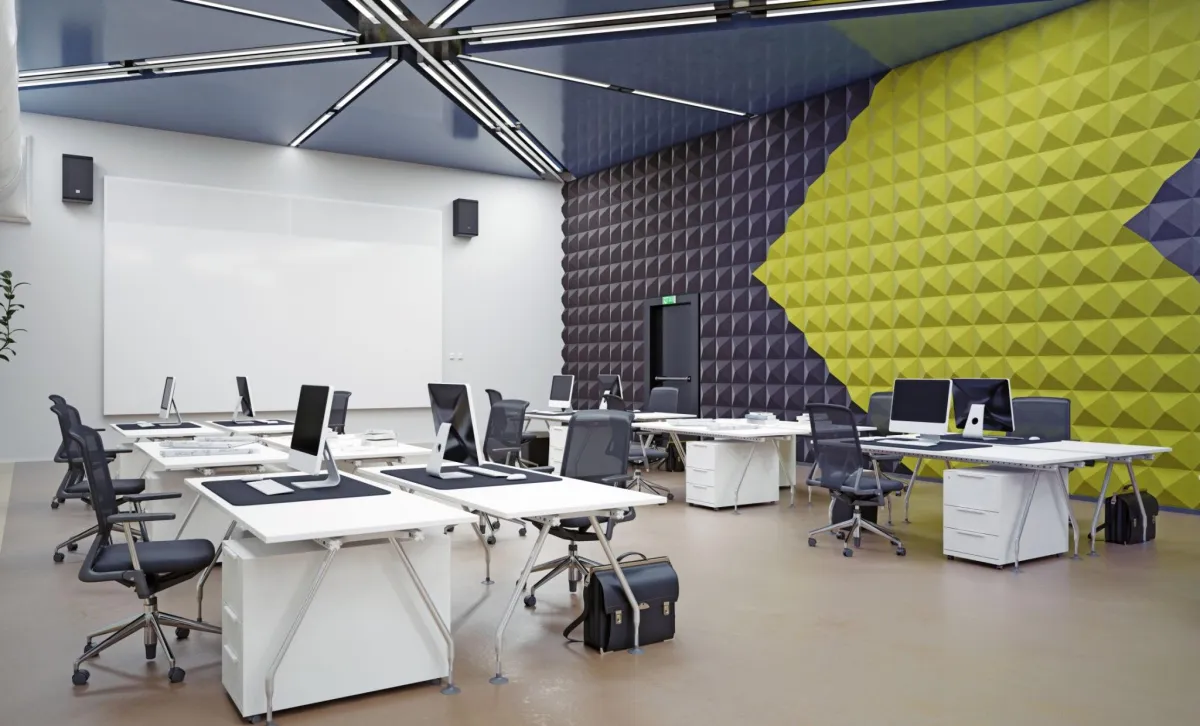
[685, 379]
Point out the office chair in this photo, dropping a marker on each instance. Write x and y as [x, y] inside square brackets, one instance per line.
[879, 417]
[842, 465]
[597, 451]
[664, 399]
[338, 410]
[1046, 417]
[614, 403]
[494, 397]
[74, 482]
[502, 445]
[147, 567]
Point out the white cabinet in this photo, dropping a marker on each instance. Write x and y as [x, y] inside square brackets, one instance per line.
[981, 509]
[367, 628]
[558, 444]
[715, 467]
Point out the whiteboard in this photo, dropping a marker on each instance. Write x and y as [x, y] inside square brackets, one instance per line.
[206, 284]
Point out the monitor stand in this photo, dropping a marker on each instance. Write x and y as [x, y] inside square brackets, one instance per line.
[333, 477]
[237, 412]
[974, 427]
[929, 439]
[434, 466]
[172, 407]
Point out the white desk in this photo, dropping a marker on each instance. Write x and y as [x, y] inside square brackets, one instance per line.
[637, 416]
[263, 427]
[546, 503]
[330, 524]
[133, 432]
[167, 474]
[351, 449]
[557, 425]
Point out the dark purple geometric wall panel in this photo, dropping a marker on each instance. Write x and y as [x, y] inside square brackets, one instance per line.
[698, 217]
[1171, 222]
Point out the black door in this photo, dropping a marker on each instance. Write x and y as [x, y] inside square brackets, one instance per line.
[673, 348]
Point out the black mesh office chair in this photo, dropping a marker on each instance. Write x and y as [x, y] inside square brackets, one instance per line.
[597, 450]
[879, 417]
[494, 396]
[74, 484]
[146, 567]
[842, 471]
[1045, 417]
[664, 399]
[338, 410]
[502, 445]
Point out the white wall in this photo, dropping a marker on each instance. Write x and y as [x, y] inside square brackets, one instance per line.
[502, 303]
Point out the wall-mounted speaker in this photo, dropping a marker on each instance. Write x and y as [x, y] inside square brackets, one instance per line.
[77, 179]
[466, 218]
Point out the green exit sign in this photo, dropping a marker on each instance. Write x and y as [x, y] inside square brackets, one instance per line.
[668, 300]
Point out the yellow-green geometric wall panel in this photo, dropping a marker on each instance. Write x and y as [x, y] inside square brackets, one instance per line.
[974, 224]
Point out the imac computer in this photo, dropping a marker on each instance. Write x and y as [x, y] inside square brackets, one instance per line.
[562, 389]
[309, 450]
[244, 410]
[454, 419]
[983, 404]
[168, 402]
[921, 406]
[610, 383]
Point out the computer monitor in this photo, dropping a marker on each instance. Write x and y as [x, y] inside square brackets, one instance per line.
[920, 406]
[309, 450]
[562, 389]
[610, 383]
[168, 401]
[983, 404]
[244, 406]
[454, 422]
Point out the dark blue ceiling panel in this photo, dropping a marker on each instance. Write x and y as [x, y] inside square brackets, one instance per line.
[268, 105]
[487, 12]
[312, 11]
[403, 117]
[590, 128]
[54, 33]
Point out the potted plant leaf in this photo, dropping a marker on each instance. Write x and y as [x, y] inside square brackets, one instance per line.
[7, 311]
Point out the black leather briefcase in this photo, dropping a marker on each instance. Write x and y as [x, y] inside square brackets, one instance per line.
[607, 618]
[1123, 519]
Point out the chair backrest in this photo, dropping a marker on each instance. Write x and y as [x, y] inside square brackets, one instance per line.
[597, 445]
[64, 427]
[1043, 416]
[664, 399]
[506, 423]
[338, 410]
[100, 487]
[614, 403]
[879, 412]
[494, 397]
[835, 438]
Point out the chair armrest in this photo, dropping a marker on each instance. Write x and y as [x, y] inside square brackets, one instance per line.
[618, 479]
[151, 496]
[124, 517]
[542, 469]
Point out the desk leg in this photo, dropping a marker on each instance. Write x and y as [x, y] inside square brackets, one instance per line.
[1037, 475]
[1138, 494]
[522, 583]
[487, 553]
[208, 570]
[742, 478]
[332, 546]
[679, 448]
[908, 489]
[633, 603]
[781, 456]
[1099, 505]
[450, 688]
[1066, 491]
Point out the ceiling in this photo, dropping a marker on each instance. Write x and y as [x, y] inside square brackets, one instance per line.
[741, 65]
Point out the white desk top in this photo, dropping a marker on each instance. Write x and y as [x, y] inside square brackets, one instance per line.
[295, 521]
[153, 432]
[637, 416]
[1020, 456]
[252, 455]
[349, 450]
[732, 428]
[1096, 450]
[262, 429]
[517, 501]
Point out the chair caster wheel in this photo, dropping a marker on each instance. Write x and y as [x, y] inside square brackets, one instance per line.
[812, 541]
[72, 547]
[847, 552]
[175, 675]
[530, 601]
[87, 646]
[670, 495]
[521, 531]
[491, 539]
[840, 535]
[448, 529]
[80, 677]
[182, 633]
[950, 557]
[59, 557]
[900, 552]
[54, 504]
[151, 651]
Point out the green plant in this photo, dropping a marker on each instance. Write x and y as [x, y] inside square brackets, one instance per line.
[7, 312]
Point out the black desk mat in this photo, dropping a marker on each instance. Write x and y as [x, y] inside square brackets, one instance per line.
[239, 493]
[940, 446]
[418, 475]
[158, 426]
[999, 440]
[263, 422]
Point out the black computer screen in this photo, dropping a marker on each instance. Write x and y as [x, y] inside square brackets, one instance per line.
[168, 393]
[994, 393]
[922, 400]
[244, 397]
[560, 388]
[451, 403]
[310, 419]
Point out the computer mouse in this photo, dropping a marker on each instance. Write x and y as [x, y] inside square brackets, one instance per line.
[515, 477]
[1035, 438]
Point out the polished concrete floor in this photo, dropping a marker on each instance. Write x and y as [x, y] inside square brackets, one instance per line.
[770, 632]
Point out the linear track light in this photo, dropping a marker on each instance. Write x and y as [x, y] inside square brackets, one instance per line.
[474, 110]
[448, 12]
[57, 81]
[365, 12]
[837, 7]
[218, 55]
[483, 95]
[584, 19]
[312, 129]
[685, 102]
[532, 162]
[269, 16]
[258, 62]
[365, 83]
[42, 72]
[529, 141]
[395, 9]
[591, 31]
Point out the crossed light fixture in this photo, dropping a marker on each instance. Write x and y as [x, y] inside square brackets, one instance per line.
[811, 9]
[236, 10]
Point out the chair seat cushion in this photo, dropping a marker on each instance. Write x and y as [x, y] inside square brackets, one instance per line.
[157, 558]
[652, 453]
[867, 485]
[574, 529]
[121, 487]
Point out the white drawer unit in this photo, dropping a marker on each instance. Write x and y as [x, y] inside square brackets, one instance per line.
[715, 467]
[982, 506]
[367, 628]
[558, 444]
